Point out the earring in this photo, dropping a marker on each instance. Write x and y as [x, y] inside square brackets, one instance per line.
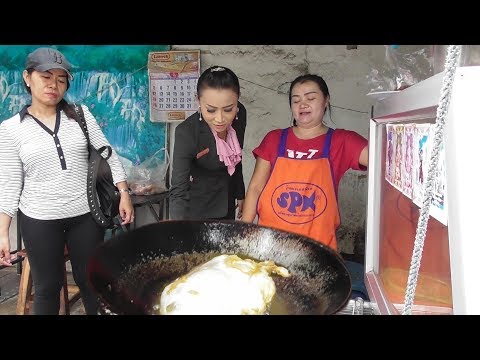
[236, 117]
[199, 114]
[28, 85]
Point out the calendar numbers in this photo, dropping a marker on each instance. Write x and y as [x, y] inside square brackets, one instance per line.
[174, 94]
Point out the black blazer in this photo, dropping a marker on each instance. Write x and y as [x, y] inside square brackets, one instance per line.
[202, 188]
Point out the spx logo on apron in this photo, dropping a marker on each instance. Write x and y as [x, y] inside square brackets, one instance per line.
[298, 202]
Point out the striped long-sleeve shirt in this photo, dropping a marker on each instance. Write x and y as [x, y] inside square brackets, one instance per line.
[44, 173]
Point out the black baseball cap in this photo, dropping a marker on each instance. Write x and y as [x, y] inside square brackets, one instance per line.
[44, 58]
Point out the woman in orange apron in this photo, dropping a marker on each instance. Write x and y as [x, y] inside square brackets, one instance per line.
[295, 182]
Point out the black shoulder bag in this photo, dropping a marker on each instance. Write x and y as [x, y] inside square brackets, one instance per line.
[103, 195]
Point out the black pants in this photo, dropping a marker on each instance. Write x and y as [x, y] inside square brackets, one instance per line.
[44, 242]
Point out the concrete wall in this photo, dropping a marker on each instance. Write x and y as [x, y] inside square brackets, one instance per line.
[265, 73]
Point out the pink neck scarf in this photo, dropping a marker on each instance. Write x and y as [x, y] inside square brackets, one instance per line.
[228, 150]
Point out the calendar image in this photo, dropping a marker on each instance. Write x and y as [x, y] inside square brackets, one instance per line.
[173, 77]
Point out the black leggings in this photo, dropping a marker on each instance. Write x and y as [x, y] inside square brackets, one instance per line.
[44, 242]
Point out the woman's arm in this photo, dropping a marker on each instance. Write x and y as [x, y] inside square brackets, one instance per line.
[11, 171]
[239, 187]
[240, 125]
[98, 139]
[257, 183]
[363, 158]
[11, 183]
[125, 208]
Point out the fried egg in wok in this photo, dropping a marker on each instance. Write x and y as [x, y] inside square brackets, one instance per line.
[225, 285]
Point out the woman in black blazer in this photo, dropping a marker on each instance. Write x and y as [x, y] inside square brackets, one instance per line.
[207, 178]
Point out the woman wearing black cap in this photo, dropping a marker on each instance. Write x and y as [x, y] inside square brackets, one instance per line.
[43, 175]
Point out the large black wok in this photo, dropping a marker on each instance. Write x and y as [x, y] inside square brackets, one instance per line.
[129, 272]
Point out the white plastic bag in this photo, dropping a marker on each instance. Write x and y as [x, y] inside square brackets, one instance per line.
[404, 66]
[149, 177]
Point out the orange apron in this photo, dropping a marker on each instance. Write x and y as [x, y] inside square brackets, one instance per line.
[300, 197]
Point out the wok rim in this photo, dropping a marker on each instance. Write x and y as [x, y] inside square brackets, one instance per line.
[109, 308]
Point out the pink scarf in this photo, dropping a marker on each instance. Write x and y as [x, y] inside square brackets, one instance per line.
[229, 150]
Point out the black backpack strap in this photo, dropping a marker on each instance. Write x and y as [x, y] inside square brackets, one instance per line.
[83, 124]
[96, 170]
[109, 151]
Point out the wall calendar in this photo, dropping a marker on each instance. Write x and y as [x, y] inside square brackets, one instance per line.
[173, 77]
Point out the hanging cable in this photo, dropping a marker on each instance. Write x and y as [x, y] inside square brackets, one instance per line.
[285, 93]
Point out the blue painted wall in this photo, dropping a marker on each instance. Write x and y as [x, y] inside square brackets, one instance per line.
[112, 80]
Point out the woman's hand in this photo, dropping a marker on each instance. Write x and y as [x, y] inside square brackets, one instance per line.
[240, 208]
[260, 176]
[5, 258]
[126, 208]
